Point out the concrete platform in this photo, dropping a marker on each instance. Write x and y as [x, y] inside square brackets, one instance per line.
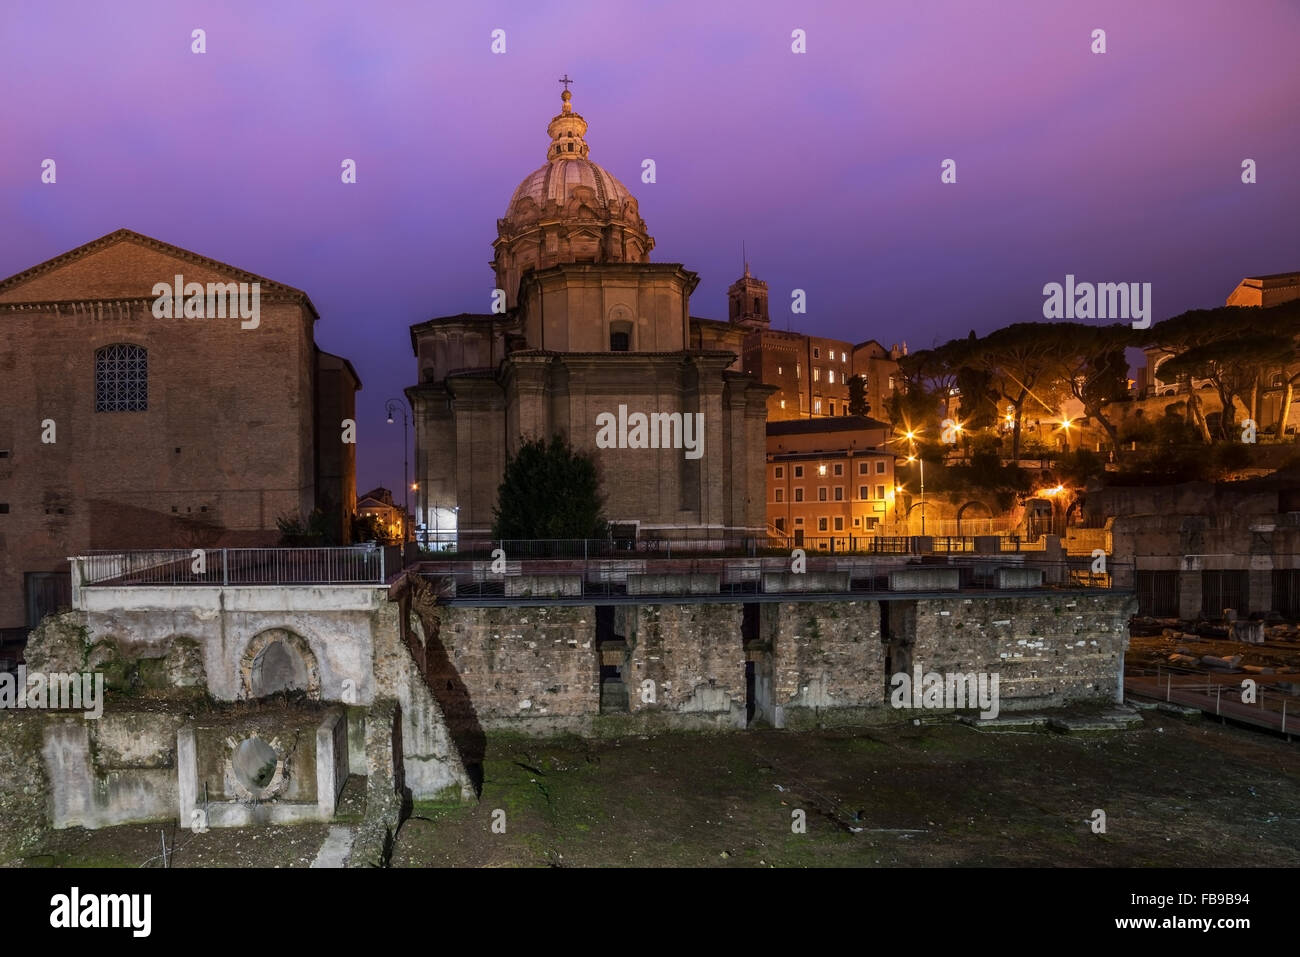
[1116, 719]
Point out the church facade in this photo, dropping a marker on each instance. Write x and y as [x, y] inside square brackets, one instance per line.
[591, 330]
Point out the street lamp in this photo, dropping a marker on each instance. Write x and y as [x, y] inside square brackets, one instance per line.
[917, 458]
[406, 485]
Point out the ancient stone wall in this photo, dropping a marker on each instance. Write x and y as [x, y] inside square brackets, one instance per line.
[1048, 651]
[528, 665]
[24, 787]
[816, 663]
[827, 660]
[695, 657]
[386, 793]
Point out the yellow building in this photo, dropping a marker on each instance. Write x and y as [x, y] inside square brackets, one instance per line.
[830, 481]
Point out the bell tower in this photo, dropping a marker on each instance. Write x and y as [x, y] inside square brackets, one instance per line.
[747, 302]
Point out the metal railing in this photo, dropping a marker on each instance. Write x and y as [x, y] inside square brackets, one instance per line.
[1267, 707]
[772, 543]
[529, 579]
[239, 566]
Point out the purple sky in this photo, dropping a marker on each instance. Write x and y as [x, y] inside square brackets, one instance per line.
[1116, 167]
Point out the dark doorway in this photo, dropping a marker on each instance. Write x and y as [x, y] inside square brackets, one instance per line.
[604, 623]
[898, 633]
[758, 662]
[749, 692]
[47, 593]
[611, 655]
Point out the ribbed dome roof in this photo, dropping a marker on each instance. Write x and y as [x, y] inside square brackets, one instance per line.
[555, 182]
[569, 174]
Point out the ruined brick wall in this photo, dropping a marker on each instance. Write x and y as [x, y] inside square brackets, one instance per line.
[827, 660]
[524, 665]
[386, 799]
[695, 657]
[818, 663]
[433, 760]
[1048, 650]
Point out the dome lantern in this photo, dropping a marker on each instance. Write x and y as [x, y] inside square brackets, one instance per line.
[566, 130]
[569, 210]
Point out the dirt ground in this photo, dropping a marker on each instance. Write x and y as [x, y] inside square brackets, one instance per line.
[141, 845]
[1174, 792]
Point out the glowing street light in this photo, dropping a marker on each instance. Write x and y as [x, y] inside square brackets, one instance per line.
[390, 407]
[916, 458]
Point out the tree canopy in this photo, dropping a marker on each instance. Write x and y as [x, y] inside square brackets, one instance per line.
[549, 490]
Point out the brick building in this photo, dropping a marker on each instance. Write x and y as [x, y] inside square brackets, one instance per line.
[121, 428]
[829, 480]
[811, 373]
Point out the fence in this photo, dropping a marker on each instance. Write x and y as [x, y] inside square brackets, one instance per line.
[770, 544]
[1218, 694]
[239, 566]
[702, 578]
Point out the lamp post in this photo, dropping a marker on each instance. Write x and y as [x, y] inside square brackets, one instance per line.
[406, 485]
[911, 438]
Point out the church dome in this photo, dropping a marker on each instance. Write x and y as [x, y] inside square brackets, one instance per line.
[565, 178]
[568, 210]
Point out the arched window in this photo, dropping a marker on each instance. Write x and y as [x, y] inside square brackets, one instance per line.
[620, 329]
[121, 378]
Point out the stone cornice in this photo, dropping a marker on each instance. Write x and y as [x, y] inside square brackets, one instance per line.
[486, 323]
[567, 272]
[124, 309]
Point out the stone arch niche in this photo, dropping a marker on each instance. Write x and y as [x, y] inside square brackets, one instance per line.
[278, 660]
[977, 504]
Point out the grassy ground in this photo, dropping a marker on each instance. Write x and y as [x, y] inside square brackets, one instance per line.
[140, 845]
[938, 794]
[1174, 793]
